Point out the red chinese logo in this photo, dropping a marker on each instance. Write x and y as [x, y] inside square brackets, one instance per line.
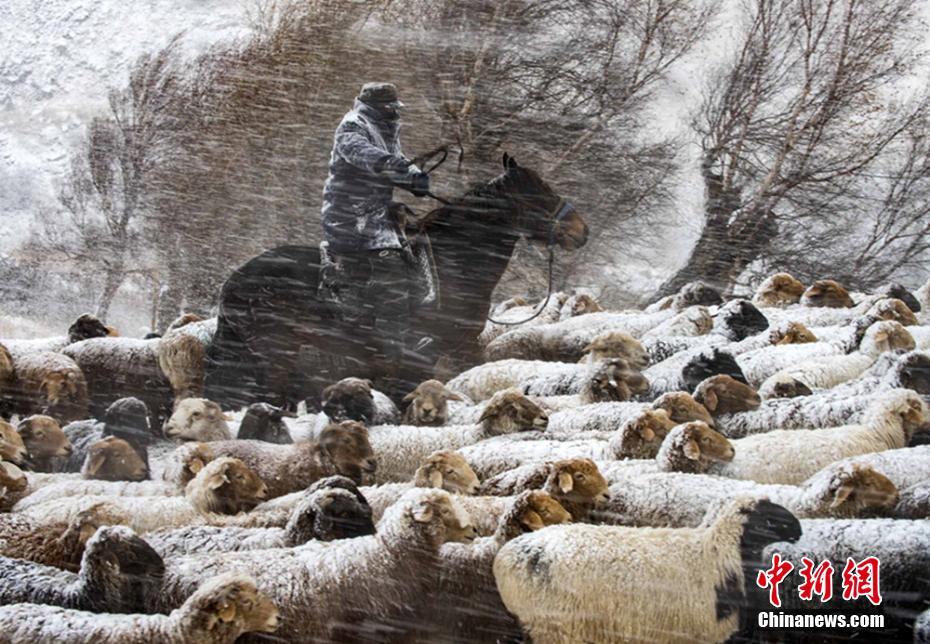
[861, 580]
[772, 577]
[817, 581]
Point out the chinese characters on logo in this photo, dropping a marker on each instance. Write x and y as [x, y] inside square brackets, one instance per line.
[860, 579]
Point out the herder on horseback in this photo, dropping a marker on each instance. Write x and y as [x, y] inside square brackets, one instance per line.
[370, 272]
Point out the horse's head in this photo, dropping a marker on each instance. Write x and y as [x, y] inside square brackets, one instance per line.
[543, 214]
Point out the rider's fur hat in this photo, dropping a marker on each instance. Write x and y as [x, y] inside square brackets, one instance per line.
[380, 94]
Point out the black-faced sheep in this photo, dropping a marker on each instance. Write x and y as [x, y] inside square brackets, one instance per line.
[583, 583]
[119, 573]
[218, 613]
[739, 319]
[126, 418]
[264, 422]
[322, 598]
[355, 399]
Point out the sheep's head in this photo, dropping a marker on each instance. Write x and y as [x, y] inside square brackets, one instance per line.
[438, 509]
[914, 373]
[265, 422]
[579, 305]
[12, 479]
[791, 333]
[641, 437]
[693, 447]
[827, 293]
[576, 481]
[884, 336]
[349, 399]
[428, 404]
[338, 482]
[197, 419]
[613, 380]
[893, 309]
[740, 319]
[43, 437]
[329, 514]
[616, 344]
[449, 471]
[62, 385]
[533, 510]
[135, 566]
[778, 290]
[6, 365]
[12, 448]
[183, 320]
[226, 606]
[86, 327]
[128, 418]
[82, 527]
[113, 459]
[511, 411]
[724, 395]
[783, 386]
[710, 363]
[682, 407]
[346, 445]
[762, 522]
[696, 293]
[858, 490]
[226, 485]
[900, 292]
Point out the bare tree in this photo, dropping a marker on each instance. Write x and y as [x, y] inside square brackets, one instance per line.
[800, 141]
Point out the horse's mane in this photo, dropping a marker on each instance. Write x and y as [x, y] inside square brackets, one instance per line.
[488, 190]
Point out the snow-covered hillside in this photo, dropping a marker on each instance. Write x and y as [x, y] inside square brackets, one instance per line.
[59, 59]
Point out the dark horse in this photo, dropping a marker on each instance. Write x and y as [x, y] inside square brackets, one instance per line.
[272, 328]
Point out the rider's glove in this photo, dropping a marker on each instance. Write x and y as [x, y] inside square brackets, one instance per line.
[394, 166]
[419, 184]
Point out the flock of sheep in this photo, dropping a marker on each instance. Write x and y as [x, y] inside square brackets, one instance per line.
[606, 476]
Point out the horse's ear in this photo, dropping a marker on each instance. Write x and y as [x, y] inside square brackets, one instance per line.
[509, 162]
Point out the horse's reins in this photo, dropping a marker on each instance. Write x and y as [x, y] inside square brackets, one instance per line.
[562, 210]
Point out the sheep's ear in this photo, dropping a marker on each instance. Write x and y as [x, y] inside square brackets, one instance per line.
[227, 612]
[227, 416]
[566, 483]
[842, 495]
[710, 399]
[691, 450]
[409, 397]
[219, 481]
[588, 348]
[423, 513]
[94, 462]
[647, 434]
[488, 413]
[454, 396]
[532, 521]
[195, 465]
[435, 478]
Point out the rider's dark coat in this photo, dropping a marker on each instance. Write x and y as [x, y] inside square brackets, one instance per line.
[358, 192]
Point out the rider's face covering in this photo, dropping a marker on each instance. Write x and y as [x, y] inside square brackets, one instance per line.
[389, 111]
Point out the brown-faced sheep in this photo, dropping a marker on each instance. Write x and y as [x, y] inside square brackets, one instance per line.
[723, 394]
[119, 367]
[44, 440]
[224, 486]
[218, 613]
[47, 383]
[197, 419]
[893, 309]
[780, 289]
[428, 404]
[783, 386]
[342, 448]
[181, 358]
[577, 484]
[828, 293]
[113, 459]
[12, 448]
[183, 320]
[616, 344]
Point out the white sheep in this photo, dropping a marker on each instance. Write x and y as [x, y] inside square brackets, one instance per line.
[790, 456]
[904, 467]
[517, 317]
[584, 583]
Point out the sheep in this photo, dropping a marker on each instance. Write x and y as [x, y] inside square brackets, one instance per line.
[922, 628]
[13, 482]
[677, 500]
[790, 456]
[686, 370]
[691, 294]
[326, 515]
[321, 598]
[84, 327]
[914, 502]
[52, 544]
[896, 290]
[615, 344]
[739, 319]
[444, 469]
[265, 422]
[783, 386]
[780, 289]
[191, 459]
[484, 380]
[584, 583]
[517, 316]
[428, 404]
[12, 448]
[181, 354]
[401, 449]
[902, 547]
[44, 441]
[608, 380]
[724, 395]
[761, 364]
[113, 459]
[126, 418]
[465, 606]
[603, 419]
[576, 483]
[118, 367]
[692, 321]
[904, 466]
[224, 486]
[355, 399]
[7, 377]
[47, 383]
[343, 448]
[828, 293]
[198, 419]
[222, 609]
[119, 573]
[894, 310]
[909, 371]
